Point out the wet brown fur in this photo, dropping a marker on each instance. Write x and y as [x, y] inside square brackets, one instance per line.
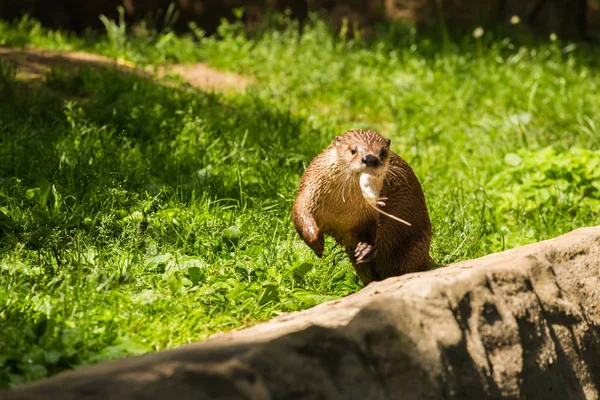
[330, 201]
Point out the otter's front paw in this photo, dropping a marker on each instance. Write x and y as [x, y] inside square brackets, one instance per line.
[315, 240]
[365, 252]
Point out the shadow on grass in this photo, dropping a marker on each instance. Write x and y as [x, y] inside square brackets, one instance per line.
[94, 141]
[88, 127]
[91, 142]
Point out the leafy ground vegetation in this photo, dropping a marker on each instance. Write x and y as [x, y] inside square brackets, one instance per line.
[137, 216]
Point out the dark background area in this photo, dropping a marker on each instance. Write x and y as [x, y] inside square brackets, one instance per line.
[572, 19]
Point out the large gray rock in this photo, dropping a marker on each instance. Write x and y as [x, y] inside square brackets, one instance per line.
[520, 324]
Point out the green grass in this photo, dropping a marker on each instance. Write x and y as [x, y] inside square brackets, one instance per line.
[136, 216]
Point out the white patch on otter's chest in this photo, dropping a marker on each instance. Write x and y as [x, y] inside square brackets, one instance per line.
[370, 187]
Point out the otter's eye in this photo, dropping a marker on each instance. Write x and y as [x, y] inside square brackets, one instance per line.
[353, 151]
[382, 153]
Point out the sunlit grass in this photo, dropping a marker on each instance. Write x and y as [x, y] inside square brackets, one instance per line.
[136, 216]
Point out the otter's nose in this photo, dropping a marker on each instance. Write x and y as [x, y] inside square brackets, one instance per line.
[370, 160]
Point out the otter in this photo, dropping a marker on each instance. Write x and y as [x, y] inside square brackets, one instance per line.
[370, 201]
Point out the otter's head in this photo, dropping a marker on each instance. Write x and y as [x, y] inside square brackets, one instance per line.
[360, 151]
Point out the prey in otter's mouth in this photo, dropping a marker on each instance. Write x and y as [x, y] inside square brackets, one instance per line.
[355, 191]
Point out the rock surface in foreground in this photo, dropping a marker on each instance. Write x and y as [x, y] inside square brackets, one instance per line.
[520, 324]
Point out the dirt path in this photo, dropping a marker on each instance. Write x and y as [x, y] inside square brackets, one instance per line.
[34, 64]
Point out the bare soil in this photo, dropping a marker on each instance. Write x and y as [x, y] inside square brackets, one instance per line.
[34, 64]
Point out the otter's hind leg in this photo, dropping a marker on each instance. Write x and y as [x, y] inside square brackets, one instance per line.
[403, 258]
[366, 271]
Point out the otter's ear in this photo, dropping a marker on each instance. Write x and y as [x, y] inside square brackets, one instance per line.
[388, 142]
[337, 140]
